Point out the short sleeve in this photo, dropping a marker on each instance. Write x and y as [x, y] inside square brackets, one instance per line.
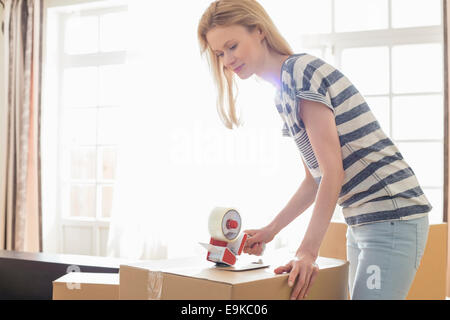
[311, 83]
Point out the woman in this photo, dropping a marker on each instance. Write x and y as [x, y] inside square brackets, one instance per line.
[347, 157]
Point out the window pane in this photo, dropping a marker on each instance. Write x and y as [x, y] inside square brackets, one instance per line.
[380, 109]
[301, 17]
[83, 163]
[368, 77]
[107, 125]
[80, 87]
[78, 240]
[82, 201]
[109, 163]
[419, 13]
[80, 126]
[357, 15]
[107, 196]
[81, 35]
[113, 31]
[417, 68]
[418, 117]
[312, 16]
[316, 52]
[436, 198]
[103, 233]
[111, 85]
[426, 160]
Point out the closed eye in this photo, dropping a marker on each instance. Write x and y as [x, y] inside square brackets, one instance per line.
[231, 48]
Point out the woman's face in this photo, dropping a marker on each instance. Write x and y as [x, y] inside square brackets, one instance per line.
[239, 50]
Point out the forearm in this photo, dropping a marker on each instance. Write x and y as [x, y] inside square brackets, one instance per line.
[327, 196]
[300, 201]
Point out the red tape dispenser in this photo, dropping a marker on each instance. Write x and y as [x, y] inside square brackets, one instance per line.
[226, 241]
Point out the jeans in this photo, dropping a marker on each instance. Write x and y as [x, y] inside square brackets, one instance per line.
[384, 257]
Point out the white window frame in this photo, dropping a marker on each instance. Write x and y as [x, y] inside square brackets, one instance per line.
[54, 221]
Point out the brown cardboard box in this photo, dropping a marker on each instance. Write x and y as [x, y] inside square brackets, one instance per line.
[430, 280]
[197, 279]
[86, 286]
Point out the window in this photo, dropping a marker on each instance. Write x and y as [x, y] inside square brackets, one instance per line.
[85, 57]
[403, 53]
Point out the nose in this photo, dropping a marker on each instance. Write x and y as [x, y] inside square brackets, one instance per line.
[229, 61]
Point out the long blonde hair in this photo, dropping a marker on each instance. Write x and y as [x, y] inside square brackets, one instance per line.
[249, 14]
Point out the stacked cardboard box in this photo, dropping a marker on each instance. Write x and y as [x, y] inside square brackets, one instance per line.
[86, 286]
[197, 279]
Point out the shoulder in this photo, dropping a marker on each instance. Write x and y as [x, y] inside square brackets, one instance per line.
[295, 62]
[304, 67]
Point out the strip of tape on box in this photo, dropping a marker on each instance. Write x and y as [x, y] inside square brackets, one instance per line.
[154, 285]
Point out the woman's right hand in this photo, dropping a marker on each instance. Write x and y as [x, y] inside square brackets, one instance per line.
[257, 239]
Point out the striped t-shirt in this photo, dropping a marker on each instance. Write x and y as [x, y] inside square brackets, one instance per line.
[379, 185]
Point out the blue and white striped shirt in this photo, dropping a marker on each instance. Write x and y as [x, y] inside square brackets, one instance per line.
[379, 185]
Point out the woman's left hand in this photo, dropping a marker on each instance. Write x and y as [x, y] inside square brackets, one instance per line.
[303, 272]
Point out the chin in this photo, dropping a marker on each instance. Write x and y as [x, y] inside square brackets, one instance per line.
[244, 76]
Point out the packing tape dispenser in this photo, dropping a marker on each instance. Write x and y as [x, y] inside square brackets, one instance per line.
[227, 241]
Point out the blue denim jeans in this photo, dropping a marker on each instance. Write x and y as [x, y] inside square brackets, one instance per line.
[384, 257]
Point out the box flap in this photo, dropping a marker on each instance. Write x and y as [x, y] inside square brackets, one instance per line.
[199, 268]
[89, 278]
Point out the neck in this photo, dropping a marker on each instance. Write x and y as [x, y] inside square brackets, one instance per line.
[271, 68]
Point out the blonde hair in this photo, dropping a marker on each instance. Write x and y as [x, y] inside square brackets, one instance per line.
[249, 14]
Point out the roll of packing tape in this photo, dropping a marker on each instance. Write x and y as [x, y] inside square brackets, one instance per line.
[224, 224]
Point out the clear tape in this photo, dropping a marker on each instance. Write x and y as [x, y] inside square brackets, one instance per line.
[154, 285]
[217, 224]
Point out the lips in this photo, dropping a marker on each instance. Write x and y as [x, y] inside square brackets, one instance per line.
[238, 68]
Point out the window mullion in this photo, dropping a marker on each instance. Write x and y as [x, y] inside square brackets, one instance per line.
[375, 37]
[98, 59]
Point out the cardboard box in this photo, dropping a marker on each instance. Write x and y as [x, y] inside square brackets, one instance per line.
[197, 279]
[86, 286]
[430, 280]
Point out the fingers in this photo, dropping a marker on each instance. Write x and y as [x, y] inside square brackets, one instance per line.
[285, 268]
[247, 247]
[312, 279]
[303, 289]
[295, 273]
[303, 276]
[250, 232]
[256, 248]
[253, 237]
[253, 244]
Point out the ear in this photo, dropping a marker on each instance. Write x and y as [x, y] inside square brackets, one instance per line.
[261, 34]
